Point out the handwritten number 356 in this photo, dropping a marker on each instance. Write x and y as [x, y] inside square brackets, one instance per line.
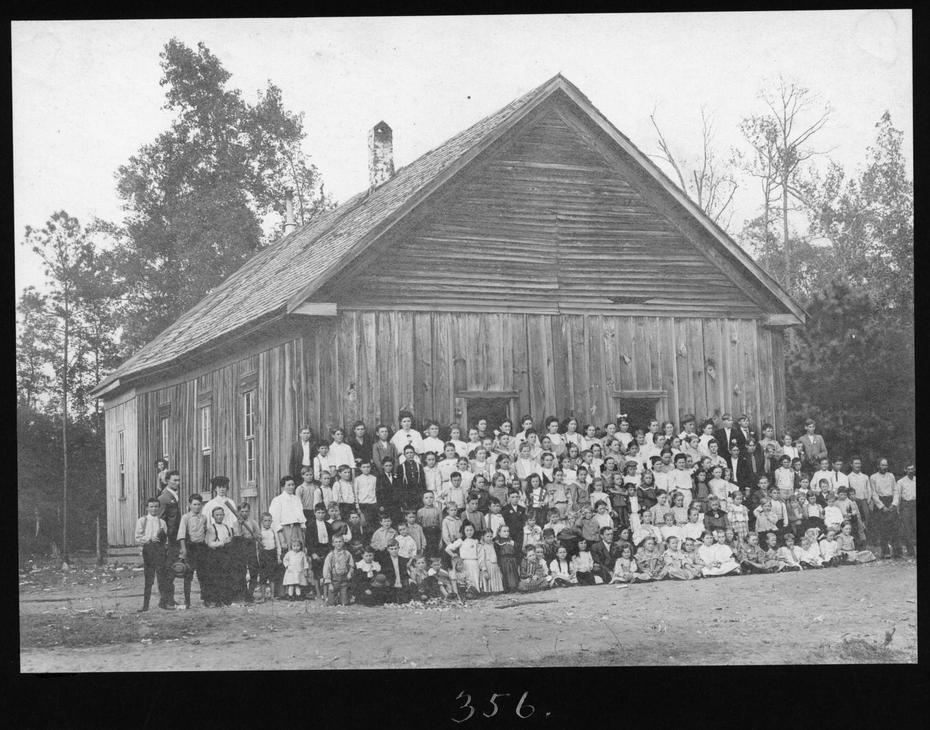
[523, 709]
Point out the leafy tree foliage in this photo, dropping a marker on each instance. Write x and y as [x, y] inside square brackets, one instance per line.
[852, 376]
[196, 196]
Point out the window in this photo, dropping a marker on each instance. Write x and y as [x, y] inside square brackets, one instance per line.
[122, 465]
[249, 433]
[205, 433]
[164, 437]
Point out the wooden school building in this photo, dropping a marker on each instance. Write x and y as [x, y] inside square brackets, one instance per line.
[537, 262]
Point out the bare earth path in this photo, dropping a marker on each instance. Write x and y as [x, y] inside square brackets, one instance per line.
[827, 616]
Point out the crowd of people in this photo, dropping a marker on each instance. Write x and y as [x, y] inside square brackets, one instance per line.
[408, 515]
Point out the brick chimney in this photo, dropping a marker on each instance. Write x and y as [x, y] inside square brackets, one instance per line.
[380, 154]
[290, 225]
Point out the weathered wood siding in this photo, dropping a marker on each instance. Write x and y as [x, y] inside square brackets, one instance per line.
[278, 378]
[370, 365]
[544, 223]
[123, 509]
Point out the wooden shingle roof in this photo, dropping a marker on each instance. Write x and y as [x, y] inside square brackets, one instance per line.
[278, 278]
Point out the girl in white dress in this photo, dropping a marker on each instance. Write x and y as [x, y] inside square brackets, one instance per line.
[467, 549]
[571, 434]
[296, 570]
[490, 579]
[557, 442]
[707, 435]
[623, 434]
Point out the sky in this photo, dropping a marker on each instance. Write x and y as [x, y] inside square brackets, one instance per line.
[86, 94]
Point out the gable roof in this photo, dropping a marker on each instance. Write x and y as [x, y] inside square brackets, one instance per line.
[277, 279]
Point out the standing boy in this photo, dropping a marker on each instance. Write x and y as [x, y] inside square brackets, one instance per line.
[192, 535]
[151, 534]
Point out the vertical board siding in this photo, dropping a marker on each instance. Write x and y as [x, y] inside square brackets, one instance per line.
[371, 364]
[122, 513]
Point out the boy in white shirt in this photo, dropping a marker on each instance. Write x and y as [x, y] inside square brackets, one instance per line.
[407, 545]
[525, 464]
[823, 472]
[322, 462]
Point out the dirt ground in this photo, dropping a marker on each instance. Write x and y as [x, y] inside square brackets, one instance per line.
[85, 621]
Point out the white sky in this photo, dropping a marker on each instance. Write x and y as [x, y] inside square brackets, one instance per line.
[86, 93]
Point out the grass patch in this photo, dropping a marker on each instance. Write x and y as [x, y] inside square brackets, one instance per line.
[77, 630]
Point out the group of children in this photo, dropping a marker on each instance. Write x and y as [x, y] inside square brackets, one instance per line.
[508, 512]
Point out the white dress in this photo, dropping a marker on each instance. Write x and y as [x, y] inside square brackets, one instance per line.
[717, 553]
[468, 551]
[296, 566]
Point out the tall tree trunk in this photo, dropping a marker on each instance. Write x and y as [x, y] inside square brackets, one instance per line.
[784, 217]
[64, 442]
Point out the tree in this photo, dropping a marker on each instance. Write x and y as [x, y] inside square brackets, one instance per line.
[65, 253]
[869, 222]
[196, 196]
[705, 179]
[780, 139]
[847, 373]
[34, 350]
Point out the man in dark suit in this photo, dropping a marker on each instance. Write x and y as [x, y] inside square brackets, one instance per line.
[739, 467]
[394, 568]
[361, 442]
[514, 515]
[743, 432]
[605, 553]
[319, 534]
[388, 488]
[302, 452]
[754, 460]
[412, 481]
[725, 435]
[169, 509]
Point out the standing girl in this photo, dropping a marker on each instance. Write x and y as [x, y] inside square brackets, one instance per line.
[467, 549]
[556, 440]
[490, 579]
[296, 570]
[571, 435]
[536, 497]
[507, 559]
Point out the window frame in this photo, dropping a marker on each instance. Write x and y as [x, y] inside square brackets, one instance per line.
[248, 432]
[121, 467]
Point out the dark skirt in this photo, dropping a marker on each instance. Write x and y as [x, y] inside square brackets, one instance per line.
[509, 573]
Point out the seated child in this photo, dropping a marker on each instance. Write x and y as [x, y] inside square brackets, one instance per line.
[583, 564]
[786, 556]
[771, 551]
[716, 556]
[694, 527]
[423, 585]
[847, 547]
[625, 569]
[534, 573]
[675, 560]
[689, 560]
[809, 552]
[649, 559]
[560, 569]
[752, 557]
[444, 583]
[829, 549]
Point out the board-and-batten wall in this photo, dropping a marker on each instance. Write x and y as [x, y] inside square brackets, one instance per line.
[369, 365]
[123, 504]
